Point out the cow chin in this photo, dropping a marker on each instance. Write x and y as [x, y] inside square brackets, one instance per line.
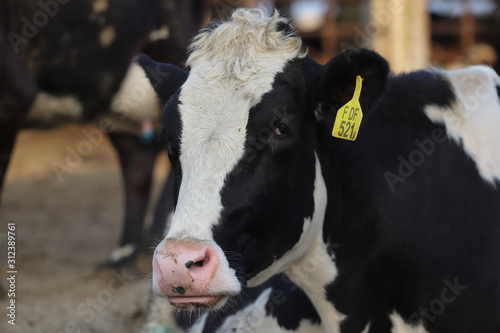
[193, 303]
[191, 298]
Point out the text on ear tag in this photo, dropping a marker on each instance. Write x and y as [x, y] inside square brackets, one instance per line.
[349, 116]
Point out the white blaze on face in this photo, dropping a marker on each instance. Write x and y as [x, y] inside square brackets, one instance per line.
[474, 120]
[232, 67]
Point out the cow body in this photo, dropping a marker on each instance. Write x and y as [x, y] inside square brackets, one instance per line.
[396, 230]
[418, 213]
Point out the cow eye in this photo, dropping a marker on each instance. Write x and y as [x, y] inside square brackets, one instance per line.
[282, 129]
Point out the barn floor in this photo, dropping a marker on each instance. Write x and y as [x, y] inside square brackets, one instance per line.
[64, 232]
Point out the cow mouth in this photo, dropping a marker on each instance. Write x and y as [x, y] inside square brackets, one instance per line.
[195, 302]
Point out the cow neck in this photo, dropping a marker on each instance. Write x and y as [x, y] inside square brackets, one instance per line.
[316, 268]
[316, 271]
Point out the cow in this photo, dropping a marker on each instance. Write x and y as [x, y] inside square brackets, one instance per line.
[278, 305]
[81, 53]
[376, 193]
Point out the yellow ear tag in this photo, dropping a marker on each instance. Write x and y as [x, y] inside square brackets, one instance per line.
[349, 116]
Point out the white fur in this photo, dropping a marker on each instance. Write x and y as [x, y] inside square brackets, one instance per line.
[136, 101]
[232, 67]
[367, 328]
[47, 108]
[253, 318]
[474, 120]
[399, 325]
[313, 272]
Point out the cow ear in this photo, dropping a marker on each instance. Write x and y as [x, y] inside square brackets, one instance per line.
[165, 78]
[337, 81]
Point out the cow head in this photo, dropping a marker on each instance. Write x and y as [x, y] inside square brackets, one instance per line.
[241, 137]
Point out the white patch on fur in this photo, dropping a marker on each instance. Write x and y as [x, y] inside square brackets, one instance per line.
[121, 252]
[232, 67]
[474, 120]
[367, 328]
[162, 33]
[316, 268]
[399, 325]
[254, 318]
[135, 102]
[313, 272]
[48, 108]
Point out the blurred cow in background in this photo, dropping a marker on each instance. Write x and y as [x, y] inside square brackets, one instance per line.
[76, 55]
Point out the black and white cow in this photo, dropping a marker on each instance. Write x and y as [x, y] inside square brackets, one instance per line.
[399, 229]
[79, 56]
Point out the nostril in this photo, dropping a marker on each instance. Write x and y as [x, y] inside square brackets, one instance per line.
[200, 263]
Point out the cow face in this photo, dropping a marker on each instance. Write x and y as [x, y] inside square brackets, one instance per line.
[240, 132]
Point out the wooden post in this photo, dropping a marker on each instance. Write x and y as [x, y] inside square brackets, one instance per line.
[467, 27]
[329, 34]
[403, 33]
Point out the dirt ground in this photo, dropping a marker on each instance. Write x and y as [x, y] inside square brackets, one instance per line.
[65, 229]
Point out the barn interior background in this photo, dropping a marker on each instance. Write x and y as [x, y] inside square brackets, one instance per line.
[66, 229]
